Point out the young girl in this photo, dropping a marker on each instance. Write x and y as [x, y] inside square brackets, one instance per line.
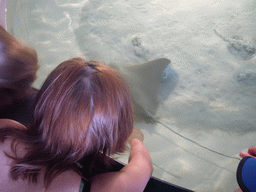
[83, 113]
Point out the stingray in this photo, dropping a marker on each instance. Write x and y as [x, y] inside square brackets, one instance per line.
[144, 82]
[246, 78]
[238, 46]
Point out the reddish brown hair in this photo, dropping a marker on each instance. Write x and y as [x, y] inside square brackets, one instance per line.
[82, 111]
[18, 65]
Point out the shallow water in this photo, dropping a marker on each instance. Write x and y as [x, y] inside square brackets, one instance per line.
[205, 110]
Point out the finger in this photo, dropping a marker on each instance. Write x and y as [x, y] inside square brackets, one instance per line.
[244, 154]
[252, 151]
[136, 134]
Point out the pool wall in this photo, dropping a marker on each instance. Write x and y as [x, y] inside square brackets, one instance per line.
[3, 13]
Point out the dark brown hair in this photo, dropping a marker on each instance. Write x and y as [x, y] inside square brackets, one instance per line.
[83, 112]
[18, 66]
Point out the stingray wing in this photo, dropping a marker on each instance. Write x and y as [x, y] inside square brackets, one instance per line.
[144, 81]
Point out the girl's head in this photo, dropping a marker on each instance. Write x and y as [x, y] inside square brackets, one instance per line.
[18, 66]
[82, 114]
[83, 108]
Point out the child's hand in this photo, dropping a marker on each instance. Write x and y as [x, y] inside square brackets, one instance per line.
[140, 155]
[140, 168]
[132, 178]
[251, 152]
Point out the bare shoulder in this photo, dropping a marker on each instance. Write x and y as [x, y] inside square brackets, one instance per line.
[11, 123]
[6, 183]
[69, 181]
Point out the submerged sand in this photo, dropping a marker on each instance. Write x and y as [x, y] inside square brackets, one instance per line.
[206, 103]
